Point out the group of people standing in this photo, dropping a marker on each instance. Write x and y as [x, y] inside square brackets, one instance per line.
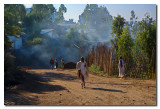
[54, 63]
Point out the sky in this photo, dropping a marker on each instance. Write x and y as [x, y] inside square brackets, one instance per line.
[74, 10]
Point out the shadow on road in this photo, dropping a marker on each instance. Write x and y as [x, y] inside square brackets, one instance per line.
[108, 83]
[14, 98]
[40, 88]
[111, 90]
[59, 76]
[36, 83]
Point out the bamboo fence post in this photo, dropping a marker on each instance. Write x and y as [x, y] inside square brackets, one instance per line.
[101, 56]
[111, 61]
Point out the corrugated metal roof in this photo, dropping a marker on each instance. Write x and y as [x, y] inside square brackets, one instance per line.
[44, 31]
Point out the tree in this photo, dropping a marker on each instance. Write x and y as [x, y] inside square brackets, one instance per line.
[19, 12]
[146, 39]
[133, 23]
[73, 33]
[125, 44]
[62, 9]
[39, 18]
[117, 28]
[134, 29]
[95, 17]
[117, 25]
[12, 15]
[133, 18]
[42, 12]
[145, 44]
[60, 16]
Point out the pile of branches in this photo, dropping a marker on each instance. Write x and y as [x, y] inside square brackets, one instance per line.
[70, 65]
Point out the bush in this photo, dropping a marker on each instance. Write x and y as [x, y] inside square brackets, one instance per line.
[8, 67]
[8, 61]
[95, 69]
[37, 40]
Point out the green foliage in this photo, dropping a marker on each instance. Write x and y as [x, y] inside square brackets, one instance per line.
[8, 62]
[134, 30]
[62, 9]
[40, 17]
[144, 49]
[60, 16]
[16, 11]
[125, 44]
[133, 18]
[104, 74]
[73, 37]
[95, 17]
[132, 14]
[117, 25]
[37, 40]
[133, 24]
[12, 15]
[145, 40]
[117, 28]
[139, 54]
[95, 69]
[72, 33]
[42, 11]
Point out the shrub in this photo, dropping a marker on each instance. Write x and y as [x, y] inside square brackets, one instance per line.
[8, 61]
[95, 69]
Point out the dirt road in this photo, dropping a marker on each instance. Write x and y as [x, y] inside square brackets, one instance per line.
[52, 87]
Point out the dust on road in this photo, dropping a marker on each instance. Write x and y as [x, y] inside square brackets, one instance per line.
[57, 87]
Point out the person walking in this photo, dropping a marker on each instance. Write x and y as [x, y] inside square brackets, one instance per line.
[83, 69]
[51, 62]
[121, 67]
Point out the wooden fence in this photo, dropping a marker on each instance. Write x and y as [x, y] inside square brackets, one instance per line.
[101, 56]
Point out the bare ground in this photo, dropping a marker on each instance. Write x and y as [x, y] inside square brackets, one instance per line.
[57, 87]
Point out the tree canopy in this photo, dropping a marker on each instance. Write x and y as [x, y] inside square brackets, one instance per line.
[61, 11]
[117, 29]
[13, 15]
[117, 25]
[95, 17]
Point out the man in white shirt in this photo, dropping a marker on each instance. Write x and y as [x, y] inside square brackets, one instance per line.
[82, 70]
